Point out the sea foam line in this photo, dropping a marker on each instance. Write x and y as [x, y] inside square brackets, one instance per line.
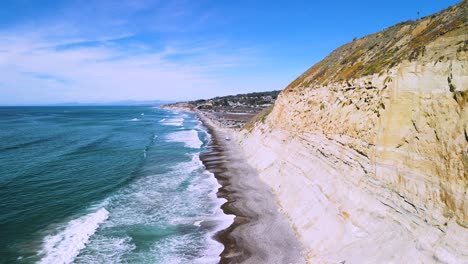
[173, 121]
[66, 245]
[189, 138]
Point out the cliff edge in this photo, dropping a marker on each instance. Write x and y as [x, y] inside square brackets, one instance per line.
[367, 151]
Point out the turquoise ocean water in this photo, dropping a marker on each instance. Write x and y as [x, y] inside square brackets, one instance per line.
[106, 185]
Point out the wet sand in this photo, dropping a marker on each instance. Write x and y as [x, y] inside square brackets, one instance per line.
[260, 233]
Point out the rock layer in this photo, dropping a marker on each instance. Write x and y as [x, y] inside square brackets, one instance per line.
[367, 151]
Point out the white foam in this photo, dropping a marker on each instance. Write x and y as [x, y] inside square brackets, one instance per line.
[203, 129]
[198, 223]
[134, 119]
[178, 121]
[105, 249]
[66, 245]
[188, 137]
[162, 203]
[214, 248]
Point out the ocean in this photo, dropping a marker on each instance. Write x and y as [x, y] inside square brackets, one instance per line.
[106, 185]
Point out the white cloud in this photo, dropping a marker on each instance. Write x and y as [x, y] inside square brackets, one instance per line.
[105, 73]
[62, 60]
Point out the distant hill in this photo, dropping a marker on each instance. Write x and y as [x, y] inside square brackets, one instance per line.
[248, 99]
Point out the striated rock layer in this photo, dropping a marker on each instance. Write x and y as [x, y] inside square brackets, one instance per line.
[367, 151]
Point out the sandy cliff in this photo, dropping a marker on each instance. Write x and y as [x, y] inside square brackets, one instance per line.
[367, 151]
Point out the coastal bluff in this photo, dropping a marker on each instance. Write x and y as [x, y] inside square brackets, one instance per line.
[367, 151]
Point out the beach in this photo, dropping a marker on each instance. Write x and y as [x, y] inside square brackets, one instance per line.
[260, 232]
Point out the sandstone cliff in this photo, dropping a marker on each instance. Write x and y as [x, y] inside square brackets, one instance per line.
[367, 151]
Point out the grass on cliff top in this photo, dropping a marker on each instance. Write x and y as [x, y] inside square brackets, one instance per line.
[260, 117]
[380, 51]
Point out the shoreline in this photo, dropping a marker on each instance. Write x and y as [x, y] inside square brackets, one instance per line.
[259, 233]
[213, 160]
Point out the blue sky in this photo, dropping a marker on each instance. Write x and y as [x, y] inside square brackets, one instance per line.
[102, 51]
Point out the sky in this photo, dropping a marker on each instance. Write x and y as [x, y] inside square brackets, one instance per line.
[103, 51]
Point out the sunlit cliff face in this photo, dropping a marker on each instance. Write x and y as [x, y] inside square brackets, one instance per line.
[375, 157]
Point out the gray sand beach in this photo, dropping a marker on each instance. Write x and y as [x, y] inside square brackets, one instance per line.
[260, 233]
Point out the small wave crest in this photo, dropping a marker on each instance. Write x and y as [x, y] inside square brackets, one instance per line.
[173, 121]
[188, 137]
[66, 245]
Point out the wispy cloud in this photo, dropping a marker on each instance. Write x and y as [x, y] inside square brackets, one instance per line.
[75, 57]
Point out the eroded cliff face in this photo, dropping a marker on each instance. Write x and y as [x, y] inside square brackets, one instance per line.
[370, 162]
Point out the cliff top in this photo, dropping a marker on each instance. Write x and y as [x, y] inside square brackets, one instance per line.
[378, 52]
